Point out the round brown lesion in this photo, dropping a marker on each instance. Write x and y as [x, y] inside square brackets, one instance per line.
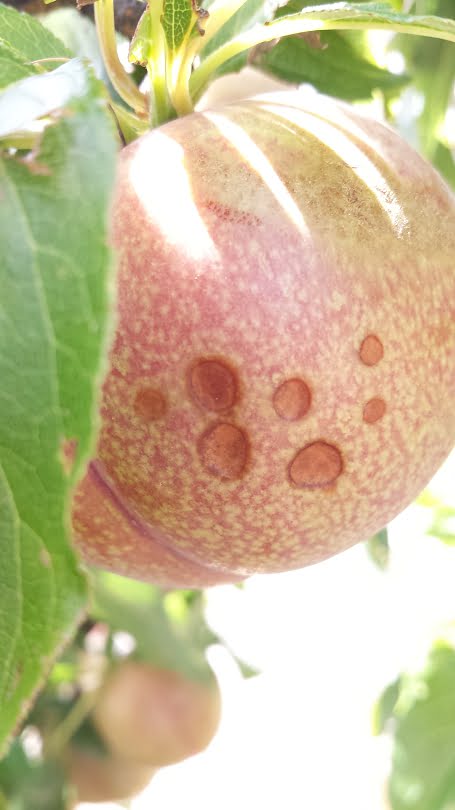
[373, 410]
[371, 350]
[316, 466]
[292, 399]
[213, 384]
[223, 450]
[149, 404]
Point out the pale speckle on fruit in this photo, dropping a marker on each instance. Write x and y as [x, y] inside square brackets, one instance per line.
[315, 466]
[373, 410]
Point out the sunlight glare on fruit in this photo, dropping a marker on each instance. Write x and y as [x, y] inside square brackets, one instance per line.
[339, 135]
[236, 136]
[185, 228]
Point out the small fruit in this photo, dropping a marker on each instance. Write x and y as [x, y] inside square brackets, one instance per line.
[282, 381]
[154, 716]
[98, 778]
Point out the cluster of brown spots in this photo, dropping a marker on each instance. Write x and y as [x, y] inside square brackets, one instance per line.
[292, 399]
[223, 450]
[149, 404]
[316, 465]
[229, 214]
[224, 447]
[213, 385]
[371, 350]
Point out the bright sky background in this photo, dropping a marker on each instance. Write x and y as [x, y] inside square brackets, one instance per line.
[327, 640]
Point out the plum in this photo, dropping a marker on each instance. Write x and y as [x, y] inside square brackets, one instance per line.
[156, 717]
[282, 378]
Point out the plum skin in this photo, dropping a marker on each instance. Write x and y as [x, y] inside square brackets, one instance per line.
[282, 378]
[156, 717]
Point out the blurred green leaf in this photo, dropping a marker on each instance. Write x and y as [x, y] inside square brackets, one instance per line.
[383, 709]
[431, 64]
[423, 762]
[443, 524]
[27, 38]
[378, 549]
[53, 319]
[12, 67]
[249, 13]
[23, 43]
[335, 63]
[36, 96]
[78, 33]
[444, 161]
[170, 630]
[140, 50]
[32, 784]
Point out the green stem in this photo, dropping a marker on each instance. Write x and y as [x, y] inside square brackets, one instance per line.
[219, 14]
[131, 126]
[21, 140]
[179, 90]
[295, 24]
[161, 109]
[64, 732]
[121, 81]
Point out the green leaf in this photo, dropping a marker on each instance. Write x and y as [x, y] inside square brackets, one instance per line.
[141, 47]
[54, 274]
[378, 549]
[27, 38]
[31, 98]
[78, 34]
[384, 708]
[23, 40]
[444, 160]
[336, 16]
[432, 67]
[177, 20]
[249, 13]
[31, 783]
[332, 62]
[12, 67]
[423, 763]
[443, 524]
[169, 628]
[332, 66]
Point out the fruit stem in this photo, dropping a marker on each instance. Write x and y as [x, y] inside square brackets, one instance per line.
[181, 97]
[161, 109]
[121, 81]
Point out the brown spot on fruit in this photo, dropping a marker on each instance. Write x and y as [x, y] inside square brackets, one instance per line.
[149, 404]
[292, 399]
[373, 410]
[317, 465]
[213, 385]
[223, 450]
[371, 350]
